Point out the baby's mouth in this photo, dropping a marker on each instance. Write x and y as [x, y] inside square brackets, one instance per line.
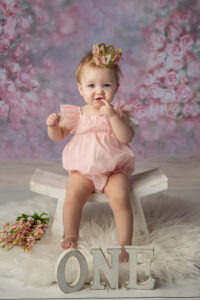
[99, 99]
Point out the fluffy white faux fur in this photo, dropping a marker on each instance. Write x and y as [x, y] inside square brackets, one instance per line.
[174, 226]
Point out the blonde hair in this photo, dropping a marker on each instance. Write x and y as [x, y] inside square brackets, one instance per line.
[86, 60]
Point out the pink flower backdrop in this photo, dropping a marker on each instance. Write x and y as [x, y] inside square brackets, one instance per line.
[41, 42]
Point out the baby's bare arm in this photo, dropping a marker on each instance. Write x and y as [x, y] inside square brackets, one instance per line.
[120, 125]
[55, 130]
[122, 129]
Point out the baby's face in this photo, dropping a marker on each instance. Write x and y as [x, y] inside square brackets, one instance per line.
[97, 84]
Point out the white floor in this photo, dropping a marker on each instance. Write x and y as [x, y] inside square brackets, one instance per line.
[184, 182]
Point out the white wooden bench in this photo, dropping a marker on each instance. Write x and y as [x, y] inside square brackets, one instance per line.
[143, 184]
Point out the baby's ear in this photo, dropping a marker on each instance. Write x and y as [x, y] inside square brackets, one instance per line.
[117, 86]
[79, 88]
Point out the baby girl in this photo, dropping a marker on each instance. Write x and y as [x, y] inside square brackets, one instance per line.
[97, 157]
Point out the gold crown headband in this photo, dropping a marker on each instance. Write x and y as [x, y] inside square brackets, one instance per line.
[106, 57]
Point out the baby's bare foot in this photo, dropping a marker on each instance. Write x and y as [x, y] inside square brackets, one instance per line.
[68, 243]
[124, 256]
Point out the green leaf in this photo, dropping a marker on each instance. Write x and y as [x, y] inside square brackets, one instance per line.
[43, 214]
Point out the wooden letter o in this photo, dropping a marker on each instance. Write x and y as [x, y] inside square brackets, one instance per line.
[60, 271]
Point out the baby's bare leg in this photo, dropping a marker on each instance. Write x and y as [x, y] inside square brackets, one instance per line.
[78, 189]
[117, 190]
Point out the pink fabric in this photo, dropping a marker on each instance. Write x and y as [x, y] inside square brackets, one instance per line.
[93, 150]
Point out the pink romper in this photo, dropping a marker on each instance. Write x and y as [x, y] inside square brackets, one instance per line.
[93, 150]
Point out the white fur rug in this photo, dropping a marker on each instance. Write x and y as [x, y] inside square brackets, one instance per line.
[174, 225]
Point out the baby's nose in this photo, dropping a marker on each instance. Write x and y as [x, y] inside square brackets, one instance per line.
[99, 89]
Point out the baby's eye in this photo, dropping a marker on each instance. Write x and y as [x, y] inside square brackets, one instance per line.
[107, 85]
[91, 85]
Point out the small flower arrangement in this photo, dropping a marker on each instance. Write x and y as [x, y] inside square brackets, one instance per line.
[25, 232]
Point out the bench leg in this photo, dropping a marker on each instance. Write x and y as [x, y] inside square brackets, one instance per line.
[57, 227]
[140, 226]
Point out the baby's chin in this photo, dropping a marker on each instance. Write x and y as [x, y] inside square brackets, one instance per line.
[98, 103]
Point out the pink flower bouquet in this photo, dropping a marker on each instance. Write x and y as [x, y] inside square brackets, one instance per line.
[25, 232]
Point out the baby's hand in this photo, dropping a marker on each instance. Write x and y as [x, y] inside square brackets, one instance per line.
[53, 120]
[107, 109]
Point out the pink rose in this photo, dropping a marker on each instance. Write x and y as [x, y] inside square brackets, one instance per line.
[155, 91]
[177, 17]
[148, 79]
[24, 77]
[156, 41]
[175, 50]
[12, 99]
[171, 79]
[190, 109]
[10, 28]
[186, 41]
[34, 84]
[183, 93]
[173, 31]
[159, 25]
[18, 53]
[159, 73]
[4, 44]
[168, 63]
[172, 109]
[140, 112]
[188, 57]
[178, 64]
[24, 23]
[19, 83]
[156, 59]
[10, 7]
[169, 95]
[173, 63]
[13, 67]
[10, 86]
[186, 15]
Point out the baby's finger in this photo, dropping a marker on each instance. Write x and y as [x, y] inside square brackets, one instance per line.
[105, 102]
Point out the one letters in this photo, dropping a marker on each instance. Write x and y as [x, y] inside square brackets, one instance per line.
[110, 271]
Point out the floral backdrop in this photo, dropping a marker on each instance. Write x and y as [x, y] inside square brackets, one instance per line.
[42, 41]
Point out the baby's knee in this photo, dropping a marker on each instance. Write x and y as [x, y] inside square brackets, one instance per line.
[74, 198]
[120, 200]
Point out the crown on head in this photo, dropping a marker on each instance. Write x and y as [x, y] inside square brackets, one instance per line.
[106, 56]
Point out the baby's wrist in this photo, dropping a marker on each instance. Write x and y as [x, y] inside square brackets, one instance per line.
[112, 115]
[53, 126]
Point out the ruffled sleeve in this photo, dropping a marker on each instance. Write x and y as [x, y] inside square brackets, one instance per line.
[122, 107]
[70, 115]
